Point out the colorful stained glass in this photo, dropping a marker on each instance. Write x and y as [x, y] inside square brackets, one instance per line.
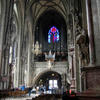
[53, 35]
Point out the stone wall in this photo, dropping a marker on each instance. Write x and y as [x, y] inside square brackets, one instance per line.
[43, 67]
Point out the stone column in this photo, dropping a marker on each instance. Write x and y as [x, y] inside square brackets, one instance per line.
[92, 72]
[90, 32]
[29, 55]
[2, 27]
[73, 76]
[95, 5]
[18, 60]
[64, 82]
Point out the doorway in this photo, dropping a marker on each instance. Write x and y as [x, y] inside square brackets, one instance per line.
[49, 82]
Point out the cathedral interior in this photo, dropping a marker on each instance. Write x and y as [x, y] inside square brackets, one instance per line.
[53, 44]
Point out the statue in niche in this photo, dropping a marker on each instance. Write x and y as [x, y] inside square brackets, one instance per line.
[82, 40]
[70, 27]
[83, 43]
[70, 34]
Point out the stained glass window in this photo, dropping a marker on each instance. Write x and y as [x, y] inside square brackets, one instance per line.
[53, 35]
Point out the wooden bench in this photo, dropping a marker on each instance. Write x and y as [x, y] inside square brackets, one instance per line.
[15, 93]
[48, 97]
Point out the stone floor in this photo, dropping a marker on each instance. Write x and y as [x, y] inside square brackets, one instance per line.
[18, 98]
[21, 98]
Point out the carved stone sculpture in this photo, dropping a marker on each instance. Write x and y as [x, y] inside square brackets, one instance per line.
[82, 41]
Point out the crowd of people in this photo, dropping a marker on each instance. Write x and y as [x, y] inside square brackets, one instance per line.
[42, 90]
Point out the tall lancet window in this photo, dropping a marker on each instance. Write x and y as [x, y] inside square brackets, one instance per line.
[53, 35]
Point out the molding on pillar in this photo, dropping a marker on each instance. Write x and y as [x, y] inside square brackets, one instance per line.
[92, 76]
[89, 95]
[90, 68]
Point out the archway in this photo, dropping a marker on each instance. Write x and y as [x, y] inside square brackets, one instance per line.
[49, 80]
[51, 18]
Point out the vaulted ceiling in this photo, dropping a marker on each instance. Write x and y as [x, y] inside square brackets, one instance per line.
[38, 7]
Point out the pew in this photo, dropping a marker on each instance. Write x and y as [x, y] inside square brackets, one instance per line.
[14, 93]
[48, 97]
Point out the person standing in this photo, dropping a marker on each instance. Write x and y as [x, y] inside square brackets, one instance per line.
[29, 91]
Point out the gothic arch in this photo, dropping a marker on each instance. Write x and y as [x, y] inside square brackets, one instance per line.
[42, 14]
[46, 11]
[40, 7]
[43, 72]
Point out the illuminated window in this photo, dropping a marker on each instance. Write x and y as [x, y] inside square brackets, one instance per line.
[53, 35]
[53, 84]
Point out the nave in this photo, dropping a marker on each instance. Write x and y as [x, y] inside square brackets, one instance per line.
[50, 45]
